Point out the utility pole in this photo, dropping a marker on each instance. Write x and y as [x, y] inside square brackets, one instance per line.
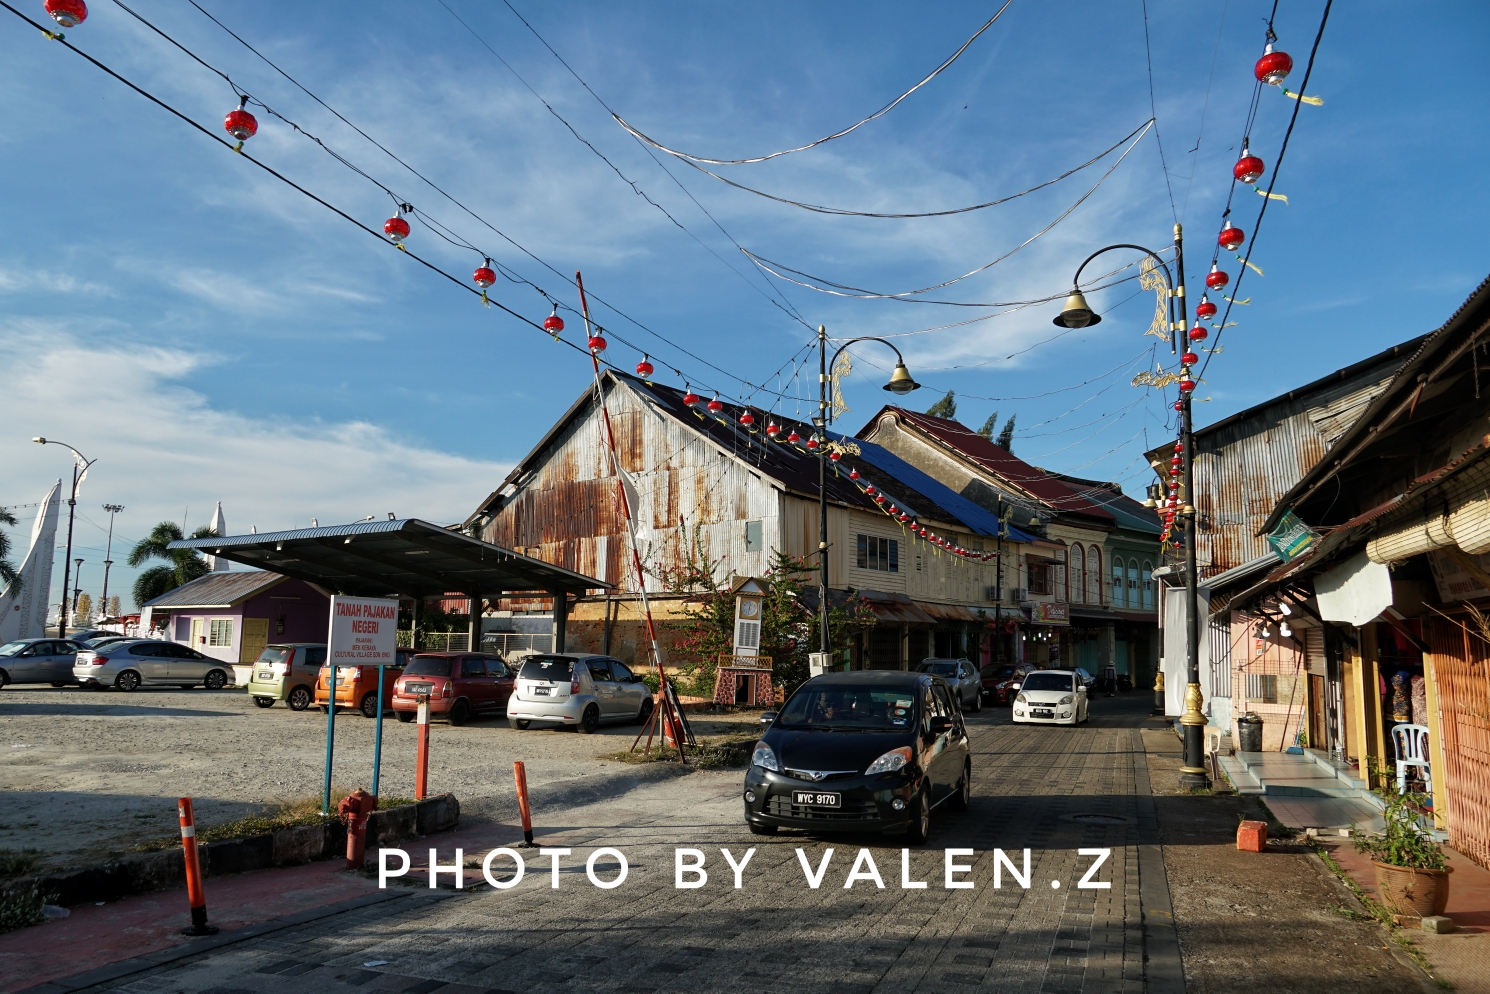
[825, 643]
[72, 506]
[77, 587]
[113, 509]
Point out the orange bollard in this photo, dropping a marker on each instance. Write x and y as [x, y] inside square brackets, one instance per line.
[355, 809]
[195, 893]
[421, 769]
[521, 776]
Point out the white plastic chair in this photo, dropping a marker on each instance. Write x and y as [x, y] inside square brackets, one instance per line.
[1412, 750]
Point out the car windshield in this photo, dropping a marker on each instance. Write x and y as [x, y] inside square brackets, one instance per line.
[11, 648]
[274, 654]
[547, 668]
[849, 708]
[1001, 673]
[428, 666]
[940, 669]
[1047, 681]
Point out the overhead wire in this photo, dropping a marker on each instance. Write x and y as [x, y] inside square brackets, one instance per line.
[1204, 108]
[1148, 56]
[837, 134]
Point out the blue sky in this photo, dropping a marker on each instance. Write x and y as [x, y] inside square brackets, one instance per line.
[210, 334]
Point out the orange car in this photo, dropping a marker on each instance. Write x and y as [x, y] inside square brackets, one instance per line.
[357, 686]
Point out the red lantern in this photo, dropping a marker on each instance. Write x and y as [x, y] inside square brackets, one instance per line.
[870, 489]
[773, 429]
[1198, 334]
[484, 276]
[1273, 68]
[1187, 384]
[813, 443]
[1176, 461]
[690, 398]
[893, 509]
[1204, 309]
[597, 345]
[793, 438]
[1230, 238]
[68, 13]
[1248, 168]
[553, 324]
[853, 474]
[835, 456]
[879, 499]
[1189, 358]
[1179, 405]
[1216, 279]
[904, 517]
[396, 228]
[240, 123]
[644, 368]
[747, 419]
[714, 405]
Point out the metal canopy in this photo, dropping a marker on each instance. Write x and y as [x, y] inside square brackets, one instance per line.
[410, 557]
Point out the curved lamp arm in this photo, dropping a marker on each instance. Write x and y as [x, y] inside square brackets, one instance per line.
[900, 370]
[81, 458]
[1168, 277]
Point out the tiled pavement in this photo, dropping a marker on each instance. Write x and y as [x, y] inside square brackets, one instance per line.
[1052, 790]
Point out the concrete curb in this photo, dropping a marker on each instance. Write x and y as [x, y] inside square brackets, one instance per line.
[165, 870]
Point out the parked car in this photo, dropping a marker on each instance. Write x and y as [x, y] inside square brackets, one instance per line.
[459, 685]
[38, 661]
[1087, 680]
[1001, 682]
[103, 640]
[128, 665]
[962, 676]
[1052, 697]
[286, 672]
[88, 635]
[577, 691]
[911, 755]
[357, 686]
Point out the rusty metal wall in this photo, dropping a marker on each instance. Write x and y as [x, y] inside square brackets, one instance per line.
[1459, 662]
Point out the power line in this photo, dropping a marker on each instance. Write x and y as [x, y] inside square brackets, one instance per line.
[801, 148]
[1154, 110]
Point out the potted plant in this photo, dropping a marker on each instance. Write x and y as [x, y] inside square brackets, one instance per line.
[1412, 874]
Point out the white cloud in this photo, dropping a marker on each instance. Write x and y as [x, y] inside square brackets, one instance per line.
[39, 280]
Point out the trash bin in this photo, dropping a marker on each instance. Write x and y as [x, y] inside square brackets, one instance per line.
[1249, 733]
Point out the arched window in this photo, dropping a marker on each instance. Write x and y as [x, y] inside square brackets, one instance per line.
[1147, 580]
[1078, 575]
[1093, 575]
[1119, 587]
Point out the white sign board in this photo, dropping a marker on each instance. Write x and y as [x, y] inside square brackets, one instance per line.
[1355, 592]
[363, 632]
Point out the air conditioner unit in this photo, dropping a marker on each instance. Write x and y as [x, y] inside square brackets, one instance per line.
[992, 594]
[1019, 594]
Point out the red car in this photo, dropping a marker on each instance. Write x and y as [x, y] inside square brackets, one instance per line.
[458, 684]
[1001, 682]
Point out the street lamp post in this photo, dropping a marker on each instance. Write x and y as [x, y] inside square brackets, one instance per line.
[77, 586]
[72, 506]
[900, 384]
[113, 509]
[1077, 314]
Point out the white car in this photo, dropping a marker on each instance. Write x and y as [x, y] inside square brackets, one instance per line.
[1052, 697]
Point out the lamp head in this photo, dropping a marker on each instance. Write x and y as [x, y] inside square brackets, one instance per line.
[39, 440]
[1076, 313]
[900, 380]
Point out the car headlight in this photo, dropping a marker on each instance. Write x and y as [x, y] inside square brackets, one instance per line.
[765, 757]
[890, 761]
[1067, 699]
[1021, 699]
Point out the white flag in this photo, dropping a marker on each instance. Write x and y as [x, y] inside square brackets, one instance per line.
[23, 605]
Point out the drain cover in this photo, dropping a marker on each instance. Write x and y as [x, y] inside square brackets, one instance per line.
[1093, 818]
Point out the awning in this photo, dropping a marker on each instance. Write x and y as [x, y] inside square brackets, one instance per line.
[896, 609]
[408, 556]
[946, 612]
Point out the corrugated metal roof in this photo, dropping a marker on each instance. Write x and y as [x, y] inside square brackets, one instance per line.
[946, 612]
[217, 589]
[1130, 513]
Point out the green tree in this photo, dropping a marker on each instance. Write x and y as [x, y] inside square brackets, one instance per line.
[1006, 436]
[944, 408]
[8, 574]
[181, 565]
[987, 430]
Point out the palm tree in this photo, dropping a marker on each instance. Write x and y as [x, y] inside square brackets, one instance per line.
[8, 574]
[183, 565]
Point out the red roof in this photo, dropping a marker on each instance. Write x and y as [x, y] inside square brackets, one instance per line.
[1000, 462]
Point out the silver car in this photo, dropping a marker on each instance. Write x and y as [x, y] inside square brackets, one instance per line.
[962, 676]
[128, 665]
[38, 661]
[577, 691]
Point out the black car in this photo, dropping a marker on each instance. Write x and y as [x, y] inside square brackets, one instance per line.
[863, 751]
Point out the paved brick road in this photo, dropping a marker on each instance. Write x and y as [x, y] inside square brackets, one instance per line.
[1052, 790]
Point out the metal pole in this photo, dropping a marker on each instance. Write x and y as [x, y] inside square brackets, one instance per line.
[113, 509]
[825, 642]
[77, 585]
[998, 605]
[1193, 774]
[378, 734]
[330, 735]
[72, 505]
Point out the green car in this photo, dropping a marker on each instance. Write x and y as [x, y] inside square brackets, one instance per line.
[287, 672]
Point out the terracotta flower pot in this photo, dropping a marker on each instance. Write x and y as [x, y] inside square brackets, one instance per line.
[1412, 893]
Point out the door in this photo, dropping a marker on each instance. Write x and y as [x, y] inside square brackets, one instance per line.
[501, 679]
[151, 659]
[198, 635]
[30, 664]
[63, 655]
[255, 639]
[474, 685]
[185, 665]
[630, 692]
[605, 686]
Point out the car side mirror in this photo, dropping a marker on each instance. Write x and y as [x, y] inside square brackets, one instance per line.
[767, 717]
[941, 723]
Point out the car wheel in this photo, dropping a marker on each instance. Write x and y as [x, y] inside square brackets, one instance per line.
[977, 702]
[369, 705]
[216, 680]
[128, 680]
[521, 724]
[963, 799]
[590, 720]
[405, 716]
[460, 713]
[762, 829]
[920, 827]
[645, 714]
[59, 683]
[299, 699]
[264, 702]
[4, 679]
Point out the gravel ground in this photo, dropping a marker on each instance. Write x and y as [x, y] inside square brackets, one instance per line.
[89, 774]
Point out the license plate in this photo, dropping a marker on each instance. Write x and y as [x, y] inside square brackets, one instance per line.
[417, 688]
[542, 691]
[817, 798]
[264, 675]
[1042, 713]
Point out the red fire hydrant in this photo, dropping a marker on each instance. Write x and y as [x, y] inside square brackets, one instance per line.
[354, 810]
